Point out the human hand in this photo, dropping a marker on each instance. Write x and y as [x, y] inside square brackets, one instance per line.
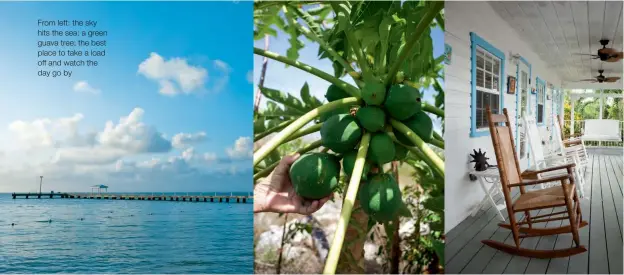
[275, 193]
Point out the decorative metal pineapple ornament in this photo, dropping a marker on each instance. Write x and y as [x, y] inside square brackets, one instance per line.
[480, 160]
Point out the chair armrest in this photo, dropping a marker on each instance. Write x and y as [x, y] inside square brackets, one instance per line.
[538, 181]
[572, 142]
[563, 166]
[573, 136]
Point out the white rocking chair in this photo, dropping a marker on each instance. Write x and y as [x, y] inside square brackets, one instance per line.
[540, 161]
[572, 147]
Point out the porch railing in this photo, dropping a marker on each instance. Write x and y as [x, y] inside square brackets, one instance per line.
[579, 129]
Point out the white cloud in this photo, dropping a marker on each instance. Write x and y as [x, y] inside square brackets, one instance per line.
[184, 140]
[47, 132]
[209, 157]
[175, 75]
[131, 135]
[87, 156]
[243, 148]
[84, 87]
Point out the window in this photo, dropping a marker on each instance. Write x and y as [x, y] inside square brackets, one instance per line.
[541, 100]
[487, 77]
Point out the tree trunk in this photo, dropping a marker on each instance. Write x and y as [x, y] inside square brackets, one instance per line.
[352, 254]
[265, 62]
[395, 254]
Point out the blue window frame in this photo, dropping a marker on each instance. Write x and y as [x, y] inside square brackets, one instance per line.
[540, 101]
[487, 82]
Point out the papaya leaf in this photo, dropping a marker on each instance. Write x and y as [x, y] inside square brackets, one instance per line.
[438, 247]
[295, 43]
[310, 101]
[435, 204]
[285, 99]
[404, 211]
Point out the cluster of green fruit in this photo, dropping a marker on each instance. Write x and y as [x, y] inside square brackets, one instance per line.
[315, 175]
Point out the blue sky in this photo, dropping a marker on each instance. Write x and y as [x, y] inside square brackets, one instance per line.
[290, 80]
[168, 109]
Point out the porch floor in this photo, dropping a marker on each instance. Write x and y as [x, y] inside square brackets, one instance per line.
[602, 208]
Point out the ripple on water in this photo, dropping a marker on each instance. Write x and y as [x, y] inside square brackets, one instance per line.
[139, 237]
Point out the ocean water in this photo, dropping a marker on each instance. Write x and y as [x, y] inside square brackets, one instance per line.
[110, 236]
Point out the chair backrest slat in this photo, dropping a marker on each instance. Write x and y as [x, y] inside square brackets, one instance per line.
[504, 148]
[558, 133]
[535, 140]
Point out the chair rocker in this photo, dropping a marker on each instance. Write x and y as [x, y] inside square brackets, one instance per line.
[557, 196]
[541, 161]
[574, 146]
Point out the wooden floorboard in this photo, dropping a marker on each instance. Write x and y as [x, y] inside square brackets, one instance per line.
[613, 234]
[603, 237]
[453, 247]
[579, 264]
[598, 260]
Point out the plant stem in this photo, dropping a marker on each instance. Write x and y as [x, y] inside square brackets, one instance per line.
[269, 169]
[297, 124]
[347, 207]
[430, 154]
[437, 143]
[281, 250]
[265, 63]
[306, 131]
[353, 91]
[438, 136]
[431, 109]
[424, 23]
[312, 36]
[422, 156]
[273, 129]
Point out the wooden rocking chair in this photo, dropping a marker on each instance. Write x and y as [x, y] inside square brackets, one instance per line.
[556, 196]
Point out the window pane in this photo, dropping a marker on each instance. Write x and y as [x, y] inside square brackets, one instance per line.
[495, 100]
[488, 64]
[496, 66]
[479, 119]
[480, 61]
[495, 85]
[479, 99]
[488, 80]
[480, 78]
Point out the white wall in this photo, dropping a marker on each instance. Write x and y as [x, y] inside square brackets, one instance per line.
[461, 194]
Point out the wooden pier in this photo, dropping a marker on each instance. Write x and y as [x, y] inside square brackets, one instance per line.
[153, 197]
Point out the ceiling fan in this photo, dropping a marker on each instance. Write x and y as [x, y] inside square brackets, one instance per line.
[606, 54]
[601, 78]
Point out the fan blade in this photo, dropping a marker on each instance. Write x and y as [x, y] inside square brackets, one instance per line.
[615, 57]
[590, 80]
[612, 79]
[585, 54]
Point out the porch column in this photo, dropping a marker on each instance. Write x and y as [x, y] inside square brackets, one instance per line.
[572, 116]
[600, 99]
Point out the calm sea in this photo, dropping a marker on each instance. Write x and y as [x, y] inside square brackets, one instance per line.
[109, 236]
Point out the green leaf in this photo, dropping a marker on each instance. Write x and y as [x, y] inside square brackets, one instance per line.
[310, 101]
[404, 211]
[435, 204]
[438, 247]
[285, 99]
[295, 43]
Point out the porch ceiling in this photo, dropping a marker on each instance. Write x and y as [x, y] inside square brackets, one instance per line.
[557, 30]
